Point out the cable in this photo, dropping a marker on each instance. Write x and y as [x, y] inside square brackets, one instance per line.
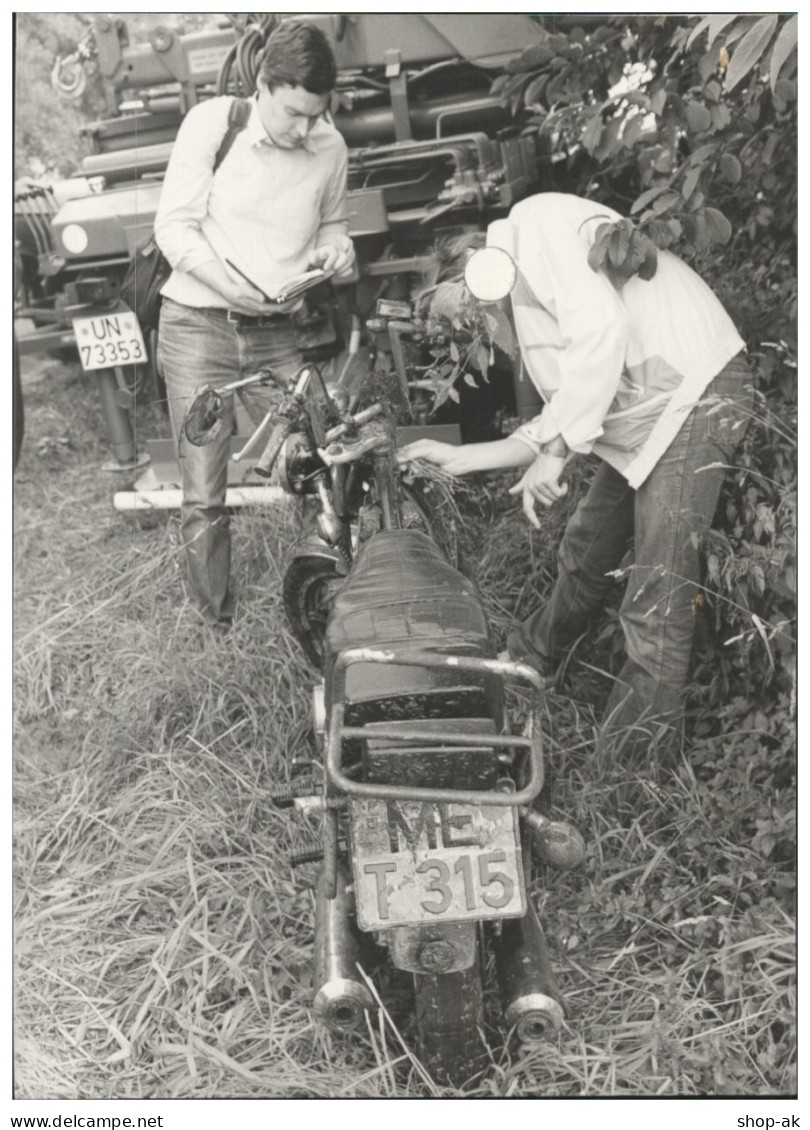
[240, 67]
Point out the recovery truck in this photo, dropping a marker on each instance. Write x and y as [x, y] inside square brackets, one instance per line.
[432, 153]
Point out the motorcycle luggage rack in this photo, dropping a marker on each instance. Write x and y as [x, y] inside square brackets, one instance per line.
[410, 658]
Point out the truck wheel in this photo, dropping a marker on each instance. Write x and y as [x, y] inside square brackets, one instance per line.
[449, 1019]
[17, 410]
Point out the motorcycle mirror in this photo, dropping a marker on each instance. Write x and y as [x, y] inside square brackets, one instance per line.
[490, 274]
[204, 418]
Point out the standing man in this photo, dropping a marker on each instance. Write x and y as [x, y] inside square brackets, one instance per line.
[275, 207]
[650, 377]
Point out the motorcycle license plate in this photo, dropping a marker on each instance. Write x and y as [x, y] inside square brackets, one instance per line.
[108, 340]
[417, 863]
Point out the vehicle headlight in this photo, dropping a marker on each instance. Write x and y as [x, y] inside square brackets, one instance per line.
[74, 238]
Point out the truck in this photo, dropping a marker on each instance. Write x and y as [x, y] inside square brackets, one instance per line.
[432, 153]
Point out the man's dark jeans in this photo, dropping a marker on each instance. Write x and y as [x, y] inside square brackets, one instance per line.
[666, 518]
[198, 348]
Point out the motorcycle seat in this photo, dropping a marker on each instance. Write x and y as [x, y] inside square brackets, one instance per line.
[402, 591]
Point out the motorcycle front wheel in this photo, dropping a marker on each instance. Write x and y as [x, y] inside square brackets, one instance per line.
[449, 1025]
[309, 585]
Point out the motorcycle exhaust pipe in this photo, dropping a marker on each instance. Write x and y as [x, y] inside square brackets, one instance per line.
[341, 997]
[526, 984]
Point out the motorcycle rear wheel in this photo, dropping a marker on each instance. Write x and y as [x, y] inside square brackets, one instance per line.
[449, 1025]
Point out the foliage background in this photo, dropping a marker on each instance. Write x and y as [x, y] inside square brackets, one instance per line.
[689, 126]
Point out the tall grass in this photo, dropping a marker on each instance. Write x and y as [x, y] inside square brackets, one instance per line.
[163, 940]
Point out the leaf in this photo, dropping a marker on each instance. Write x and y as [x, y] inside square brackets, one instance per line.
[532, 57]
[690, 182]
[703, 152]
[730, 168]
[610, 143]
[719, 227]
[785, 90]
[784, 46]
[660, 233]
[619, 243]
[707, 65]
[760, 627]
[453, 351]
[750, 50]
[650, 265]
[500, 332]
[647, 197]
[632, 131]
[447, 300]
[721, 116]
[698, 117]
[469, 379]
[596, 255]
[658, 102]
[714, 25]
[592, 133]
[703, 239]
[535, 89]
[666, 201]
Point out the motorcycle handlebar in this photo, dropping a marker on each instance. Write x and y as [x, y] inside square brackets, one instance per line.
[267, 460]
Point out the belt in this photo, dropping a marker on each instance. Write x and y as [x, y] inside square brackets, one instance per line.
[237, 318]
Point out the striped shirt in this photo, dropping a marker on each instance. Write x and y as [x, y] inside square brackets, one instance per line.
[265, 208]
[619, 370]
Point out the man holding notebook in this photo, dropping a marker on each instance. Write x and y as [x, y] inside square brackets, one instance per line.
[274, 208]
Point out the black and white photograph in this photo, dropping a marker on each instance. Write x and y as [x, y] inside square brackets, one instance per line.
[404, 564]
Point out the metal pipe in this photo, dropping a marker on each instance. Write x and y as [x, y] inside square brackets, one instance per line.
[483, 798]
[525, 981]
[172, 499]
[341, 997]
[330, 853]
[116, 419]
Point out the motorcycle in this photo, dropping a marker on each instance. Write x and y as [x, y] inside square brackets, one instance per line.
[426, 798]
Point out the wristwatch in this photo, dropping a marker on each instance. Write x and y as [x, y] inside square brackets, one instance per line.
[557, 447]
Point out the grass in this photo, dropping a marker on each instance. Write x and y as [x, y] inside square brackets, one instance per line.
[163, 943]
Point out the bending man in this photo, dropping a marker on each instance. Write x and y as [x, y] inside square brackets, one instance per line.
[650, 377]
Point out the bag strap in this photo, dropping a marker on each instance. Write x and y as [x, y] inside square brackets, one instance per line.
[238, 114]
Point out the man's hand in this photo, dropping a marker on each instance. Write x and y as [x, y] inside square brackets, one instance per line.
[444, 455]
[541, 483]
[245, 297]
[237, 292]
[333, 258]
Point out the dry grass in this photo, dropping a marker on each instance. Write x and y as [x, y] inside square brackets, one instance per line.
[163, 941]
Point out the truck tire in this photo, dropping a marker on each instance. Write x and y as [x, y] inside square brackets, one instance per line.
[449, 1020]
[17, 410]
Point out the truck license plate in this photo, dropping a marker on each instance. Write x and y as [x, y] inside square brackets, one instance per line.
[417, 862]
[108, 340]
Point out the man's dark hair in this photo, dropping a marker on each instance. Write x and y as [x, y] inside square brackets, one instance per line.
[299, 54]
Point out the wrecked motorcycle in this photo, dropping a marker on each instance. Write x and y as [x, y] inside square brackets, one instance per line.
[426, 798]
